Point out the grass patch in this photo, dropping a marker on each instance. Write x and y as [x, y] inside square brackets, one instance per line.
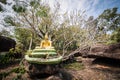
[75, 66]
[20, 70]
[17, 70]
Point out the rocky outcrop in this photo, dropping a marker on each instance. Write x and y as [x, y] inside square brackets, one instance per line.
[6, 43]
[111, 51]
[96, 51]
[39, 69]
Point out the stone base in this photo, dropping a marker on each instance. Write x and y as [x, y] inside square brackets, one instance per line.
[38, 69]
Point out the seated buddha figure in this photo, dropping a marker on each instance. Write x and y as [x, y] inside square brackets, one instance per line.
[46, 43]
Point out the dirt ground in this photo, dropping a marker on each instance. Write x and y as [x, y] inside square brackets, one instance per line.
[90, 72]
[99, 71]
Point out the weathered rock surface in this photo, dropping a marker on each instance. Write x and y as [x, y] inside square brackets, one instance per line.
[96, 51]
[38, 69]
[6, 43]
[111, 51]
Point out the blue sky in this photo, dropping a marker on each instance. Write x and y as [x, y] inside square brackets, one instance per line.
[92, 7]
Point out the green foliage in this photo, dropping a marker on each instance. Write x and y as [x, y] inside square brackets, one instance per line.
[116, 36]
[29, 15]
[75, 66]
[23, 36]
[10, 56]
[4, 74]
[3, 1]
[4, 33]
[5, 58]
[66, 31]
[42, 10]
[110, 18]
[41, 13]
[109, 14]
[1, 9]
[17, 52]
[18, 70]
[66, 38]
[19, 8]
[34, 3]
[10, 21]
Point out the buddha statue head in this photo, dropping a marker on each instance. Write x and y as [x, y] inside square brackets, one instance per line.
[46, 36]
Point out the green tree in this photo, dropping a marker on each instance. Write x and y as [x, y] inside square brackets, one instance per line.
[115, 37]
[30, 17]
[23, 36]
[4, 33]
[30, 14]
[1, 8]
[109, 20]
[3, 1]
[68, 31]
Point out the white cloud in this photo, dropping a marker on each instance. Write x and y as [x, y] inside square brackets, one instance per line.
[81, 4]
[70, 5]
[95, 2]
[63, 5]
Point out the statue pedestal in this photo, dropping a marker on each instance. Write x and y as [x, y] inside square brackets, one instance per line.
[41, 70]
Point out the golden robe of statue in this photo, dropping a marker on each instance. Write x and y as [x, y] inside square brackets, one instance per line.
[46, 43]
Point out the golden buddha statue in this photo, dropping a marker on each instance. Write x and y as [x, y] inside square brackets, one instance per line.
[46, 43]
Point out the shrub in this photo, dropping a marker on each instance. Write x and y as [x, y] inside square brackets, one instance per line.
[76, 66]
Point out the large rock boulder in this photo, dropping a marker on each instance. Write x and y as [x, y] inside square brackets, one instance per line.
[109, 51]
[6, 43]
